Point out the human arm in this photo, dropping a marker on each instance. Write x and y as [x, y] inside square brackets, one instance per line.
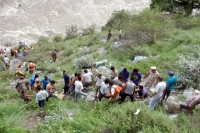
[146, 75]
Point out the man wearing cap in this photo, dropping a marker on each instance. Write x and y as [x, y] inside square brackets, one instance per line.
[171, 81]
[125, 74]
[151, 77]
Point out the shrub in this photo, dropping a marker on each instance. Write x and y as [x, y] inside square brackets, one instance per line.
[57, 39]
[71, 32]
[90, 30]
[83, 61]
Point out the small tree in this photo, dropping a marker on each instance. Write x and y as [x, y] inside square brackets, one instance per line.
[176, 6]
[118, 19]
[71, 32]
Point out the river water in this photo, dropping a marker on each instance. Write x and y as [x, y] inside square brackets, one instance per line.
[26, 20]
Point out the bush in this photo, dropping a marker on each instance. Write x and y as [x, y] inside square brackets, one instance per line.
[88, 31]
[118, 19]
[71, 32]
[189, 71]
[57, 39]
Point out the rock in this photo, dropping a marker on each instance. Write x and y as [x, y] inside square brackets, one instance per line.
[188, 93]
[100, 63]
[139, 58]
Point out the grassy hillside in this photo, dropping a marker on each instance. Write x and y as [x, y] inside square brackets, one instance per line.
[164, 39]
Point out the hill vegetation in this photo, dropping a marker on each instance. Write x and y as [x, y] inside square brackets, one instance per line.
[170, 41]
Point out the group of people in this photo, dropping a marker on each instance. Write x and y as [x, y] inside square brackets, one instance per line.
[115, 88]
[120, 85]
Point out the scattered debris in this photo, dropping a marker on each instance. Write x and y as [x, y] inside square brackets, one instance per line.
[137, 112]
[138, 58]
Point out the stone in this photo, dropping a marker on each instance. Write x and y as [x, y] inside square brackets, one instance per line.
[100, 63]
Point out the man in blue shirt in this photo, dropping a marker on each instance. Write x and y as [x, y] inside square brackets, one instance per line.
[171, 81]
[125, 74]
[32, 81]
[45, 81]
[136, 76]
[66, 82]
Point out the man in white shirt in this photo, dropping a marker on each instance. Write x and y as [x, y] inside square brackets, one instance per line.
[155, 97]
[41, 96]
[114, 92]
[87, 76]
[97, 84]
[104, 89]
[78, 88]
[7, 62]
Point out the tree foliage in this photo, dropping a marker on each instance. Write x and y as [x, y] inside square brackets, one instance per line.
[177, 6]
[118, 19]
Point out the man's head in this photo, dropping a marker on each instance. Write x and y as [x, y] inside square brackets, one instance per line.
[107, 81]
[85, 71]
[120, 78]
[21, 77]
[99, 75]
[64, 72]
[5, 55]
[153, 69]
[30, 61]
[37, 80]
[112, 68]
[79, 78]
[135, 70]
[110, 83]
[36, 75]
[45, 77]
[75, 74]
[39, 88]
[52, 82]
[170, 74]
[125, 70]
[140, 87]
[160, 79]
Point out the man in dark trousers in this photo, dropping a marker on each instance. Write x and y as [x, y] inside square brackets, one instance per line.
[66, 82]
[109, 35]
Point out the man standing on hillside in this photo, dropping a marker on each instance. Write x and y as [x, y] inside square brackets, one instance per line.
[155, 97]
[113, 73]
[124, 74]
[87, 76]
[136, 76]
[171, 81]
[128, 90]
[66, 82]
[31, 67]
[109, 35]
[97, 84]
[79, 88]
[45, 81]
[104, 90]
[151, 77]
[54, 55]
[7, 62]
[32, 81]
